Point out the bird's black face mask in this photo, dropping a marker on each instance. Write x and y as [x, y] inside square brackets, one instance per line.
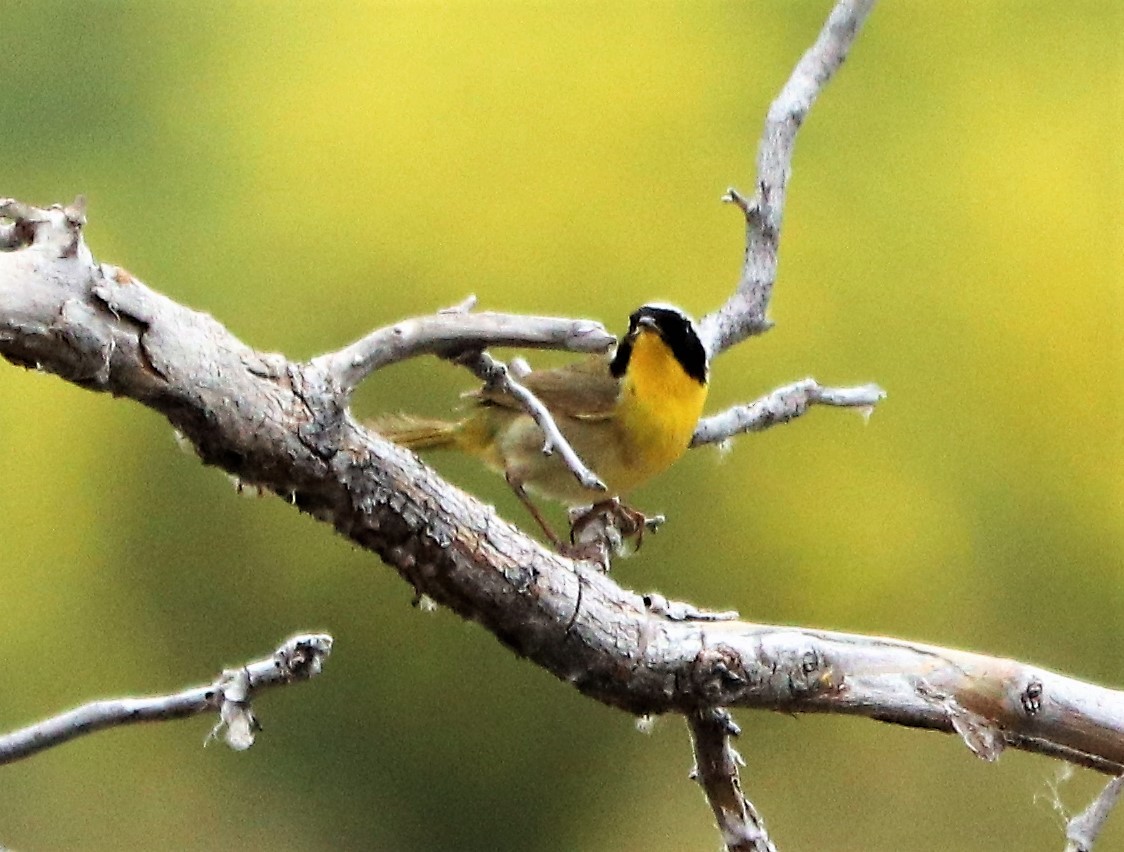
[677, 331]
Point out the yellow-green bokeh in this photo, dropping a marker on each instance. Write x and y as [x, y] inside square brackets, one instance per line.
[305, 172]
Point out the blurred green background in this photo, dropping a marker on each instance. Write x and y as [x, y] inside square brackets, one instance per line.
[307, 172]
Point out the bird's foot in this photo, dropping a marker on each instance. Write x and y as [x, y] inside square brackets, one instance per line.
[609, 524]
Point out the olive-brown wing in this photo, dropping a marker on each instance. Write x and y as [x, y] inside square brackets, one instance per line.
[585, 390]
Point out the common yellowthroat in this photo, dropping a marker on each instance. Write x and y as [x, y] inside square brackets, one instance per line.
[628, 416]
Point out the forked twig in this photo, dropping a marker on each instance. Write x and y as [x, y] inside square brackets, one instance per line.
[298, 658]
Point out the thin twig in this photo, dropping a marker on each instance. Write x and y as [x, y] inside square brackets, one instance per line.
[782, 405]
[498, 375]
[298, 658]
[745, 311]
[1082, 831]
[656, 603]
[452, 332]
[716, 770]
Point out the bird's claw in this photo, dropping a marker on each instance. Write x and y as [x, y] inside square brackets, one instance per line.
[609, 524]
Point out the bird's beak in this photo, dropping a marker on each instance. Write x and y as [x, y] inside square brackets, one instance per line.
[648, 323]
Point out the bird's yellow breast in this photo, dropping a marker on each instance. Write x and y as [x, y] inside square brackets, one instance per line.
[658, 410]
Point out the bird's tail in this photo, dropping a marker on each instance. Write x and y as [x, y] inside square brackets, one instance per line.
[416, 433]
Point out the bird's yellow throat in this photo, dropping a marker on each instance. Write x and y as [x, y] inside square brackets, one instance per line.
[660, 404]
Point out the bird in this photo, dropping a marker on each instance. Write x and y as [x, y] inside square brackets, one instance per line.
[628, 415]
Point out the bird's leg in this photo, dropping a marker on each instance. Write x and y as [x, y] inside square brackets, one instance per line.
[525, 499]
[590, 551]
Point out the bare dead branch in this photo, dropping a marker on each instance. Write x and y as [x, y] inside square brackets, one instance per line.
[298, 658]
[716, 770]
[744, 313]
[281, 425]
[452, 332]
[1084, 829]
[782, 405]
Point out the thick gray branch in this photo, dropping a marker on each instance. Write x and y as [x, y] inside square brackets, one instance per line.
[299, 658]
[284, 426]
[744, 313]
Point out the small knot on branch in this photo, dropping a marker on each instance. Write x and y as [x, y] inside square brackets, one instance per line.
[719, 676]
[747, 206]
[18, 224]
[983, 736]
[303, 656]
[1031, 697]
